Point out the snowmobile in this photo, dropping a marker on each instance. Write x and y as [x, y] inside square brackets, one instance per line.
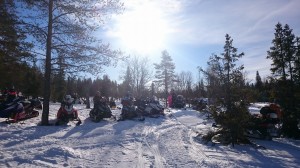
[100, 112]
[150, 108]
[129, 111]
[2, 97]
[67, 112]
[18, 110]
[199, 104]
[267, 124]
[178, 102]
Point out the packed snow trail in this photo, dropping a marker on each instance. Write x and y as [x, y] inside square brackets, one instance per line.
[169, 141]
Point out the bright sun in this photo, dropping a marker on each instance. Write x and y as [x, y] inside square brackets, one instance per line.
[142, 30]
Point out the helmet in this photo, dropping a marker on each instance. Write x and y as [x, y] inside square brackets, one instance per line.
[68, 99]
[11, 94]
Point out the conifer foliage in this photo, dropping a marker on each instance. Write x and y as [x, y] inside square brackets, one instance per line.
[230, 111]
[285, 56]
[14, 50]
[165, 71]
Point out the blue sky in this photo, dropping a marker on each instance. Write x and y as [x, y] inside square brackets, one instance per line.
[191, 30]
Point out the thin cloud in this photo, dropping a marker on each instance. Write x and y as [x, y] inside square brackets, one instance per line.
[202, 25]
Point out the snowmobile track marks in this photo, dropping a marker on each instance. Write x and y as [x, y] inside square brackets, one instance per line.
[203, 156]
[154, 155]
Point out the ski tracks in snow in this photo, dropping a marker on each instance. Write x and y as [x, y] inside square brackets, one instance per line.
[203, 156]
[149, 154]
[168, 143]
[194, 150]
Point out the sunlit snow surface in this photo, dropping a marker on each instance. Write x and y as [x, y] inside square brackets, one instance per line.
[169, 141]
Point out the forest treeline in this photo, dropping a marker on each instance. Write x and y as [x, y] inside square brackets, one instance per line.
[46, 45]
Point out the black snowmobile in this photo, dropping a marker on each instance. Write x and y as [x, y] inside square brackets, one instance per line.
[266, 125]
[129, 110]
[18, 110]
[178, 102]
[149, 108]
[100, 112]
[199, 104]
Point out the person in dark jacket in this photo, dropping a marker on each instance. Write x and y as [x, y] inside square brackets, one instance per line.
[98, 100]
[174, 96]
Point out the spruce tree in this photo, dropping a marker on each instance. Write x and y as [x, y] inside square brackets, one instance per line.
[259, 89]
[297, 61]
[258, 83]
[283, 54]
[276, 53]
[228, 76]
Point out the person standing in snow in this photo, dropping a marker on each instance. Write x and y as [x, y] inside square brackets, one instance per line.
[98, 100]
[170, 100]
[173, 97]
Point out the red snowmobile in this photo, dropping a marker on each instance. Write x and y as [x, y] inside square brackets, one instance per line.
[15, 109]
[67, 112]
[267, 123]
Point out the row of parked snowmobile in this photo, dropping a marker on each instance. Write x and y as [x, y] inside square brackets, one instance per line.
[265, 122]
[138, 109]
[16, 109]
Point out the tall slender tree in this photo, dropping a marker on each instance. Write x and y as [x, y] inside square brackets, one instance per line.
[258, 83]
[165, 72]
[65, 28]
[228, 76]
[297, 61]
[276, 53]
[289, 51]
[127, 84]
[283, 54]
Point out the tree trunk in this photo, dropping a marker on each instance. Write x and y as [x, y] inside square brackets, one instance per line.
[45, 114]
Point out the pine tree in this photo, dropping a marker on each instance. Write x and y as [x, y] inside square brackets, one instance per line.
[14, 55]
[283, 54]
[224, 74]
[259, 89]
[258, 83]
[165, 72]
[297, 61]
[230, 57]
[289, 51]
[127, 85]
[232, 76]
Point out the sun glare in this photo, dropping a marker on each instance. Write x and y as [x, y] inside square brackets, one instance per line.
[142, 30]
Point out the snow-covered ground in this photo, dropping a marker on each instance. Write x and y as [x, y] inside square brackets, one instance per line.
[169, 141]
